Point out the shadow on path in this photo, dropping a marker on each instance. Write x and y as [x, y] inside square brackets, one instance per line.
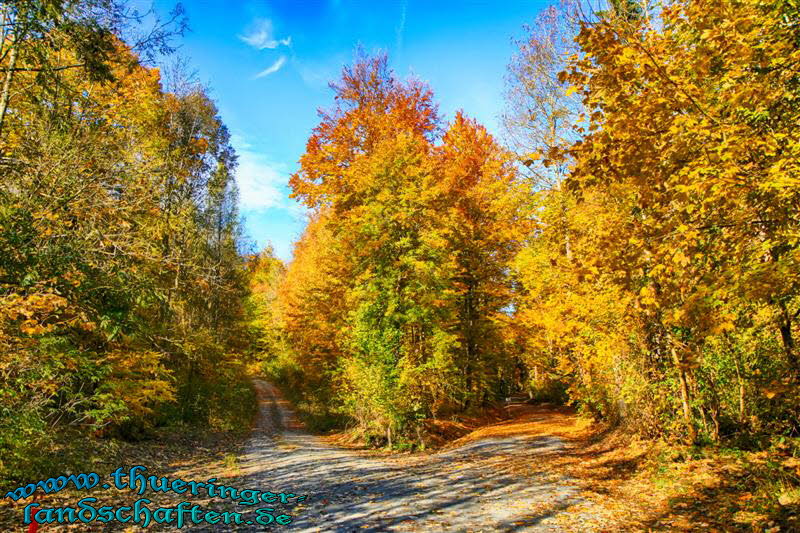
[462, 489]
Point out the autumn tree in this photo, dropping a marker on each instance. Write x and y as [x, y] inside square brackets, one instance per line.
[397, 295]
[480, 206]
[310, 312]
[120, 273]
[31, 29]
[683, 157]
[566, 314]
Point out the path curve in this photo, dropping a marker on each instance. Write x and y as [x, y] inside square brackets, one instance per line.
[462, 489]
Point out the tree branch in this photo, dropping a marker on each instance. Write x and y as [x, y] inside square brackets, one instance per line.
[42, 69]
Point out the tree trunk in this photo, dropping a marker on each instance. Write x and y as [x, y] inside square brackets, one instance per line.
[5, 96]
[740, 379]
[715, 419]
[685, 398]
[786, 336]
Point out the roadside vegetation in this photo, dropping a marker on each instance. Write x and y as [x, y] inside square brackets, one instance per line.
[121, 273]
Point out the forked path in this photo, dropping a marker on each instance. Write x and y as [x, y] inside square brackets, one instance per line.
[462, 489]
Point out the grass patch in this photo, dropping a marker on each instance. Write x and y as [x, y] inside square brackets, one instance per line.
[176, 449]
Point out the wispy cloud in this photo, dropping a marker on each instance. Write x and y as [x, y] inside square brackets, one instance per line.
[270, 216]
[297, 211]
[401, 28]
[317, 73]
[272, 69]
[262, 183]
[262, 36]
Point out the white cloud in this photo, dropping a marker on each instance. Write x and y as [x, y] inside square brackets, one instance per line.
[262, 36]
[272, 69]
[261, 182]
[270, 216]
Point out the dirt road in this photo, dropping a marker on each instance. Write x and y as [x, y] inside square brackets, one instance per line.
[462, 489]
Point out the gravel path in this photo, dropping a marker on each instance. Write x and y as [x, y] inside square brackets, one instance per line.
[462, 489]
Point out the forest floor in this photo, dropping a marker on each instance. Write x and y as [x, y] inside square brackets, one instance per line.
[535, 468]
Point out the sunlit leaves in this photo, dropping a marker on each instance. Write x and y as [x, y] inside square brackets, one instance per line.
[119, 247]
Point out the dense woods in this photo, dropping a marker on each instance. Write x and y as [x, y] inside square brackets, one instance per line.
[121, 279]
[628, 244]
[395, 305]
[634, 250]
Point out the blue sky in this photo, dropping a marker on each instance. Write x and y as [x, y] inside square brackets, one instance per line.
[268, 64]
